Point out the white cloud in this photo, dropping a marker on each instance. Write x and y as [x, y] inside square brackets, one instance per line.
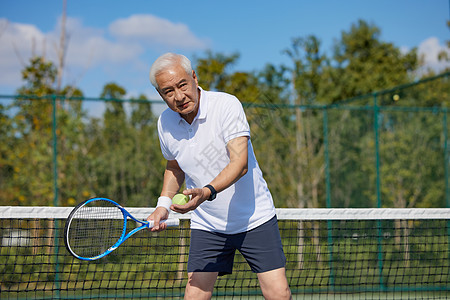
[429, 49]
[128, 41]
[17, 42]
[154, 30]
[88, 47]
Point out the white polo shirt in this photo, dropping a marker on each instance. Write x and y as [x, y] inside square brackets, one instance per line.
[200, 150]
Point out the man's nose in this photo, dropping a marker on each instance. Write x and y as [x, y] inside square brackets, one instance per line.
[178, 95]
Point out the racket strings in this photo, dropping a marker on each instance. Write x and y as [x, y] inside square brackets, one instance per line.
[95, 228]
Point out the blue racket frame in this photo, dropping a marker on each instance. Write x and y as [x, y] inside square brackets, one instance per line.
[144, 224]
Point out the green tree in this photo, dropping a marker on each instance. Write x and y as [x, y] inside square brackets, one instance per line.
[32, 155]
[116, 144]
[147, 163]
[363, 64]
[7, 139]
[71, 127]
[212, 71]
[39, 77]
[31, 136]
[272, 132]
[308, 64]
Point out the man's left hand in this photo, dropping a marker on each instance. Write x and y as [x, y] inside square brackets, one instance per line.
[198, 196]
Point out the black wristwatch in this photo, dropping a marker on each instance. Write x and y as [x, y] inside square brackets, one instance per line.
[213, 192]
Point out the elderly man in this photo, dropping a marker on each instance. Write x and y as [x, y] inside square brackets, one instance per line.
[205, 138]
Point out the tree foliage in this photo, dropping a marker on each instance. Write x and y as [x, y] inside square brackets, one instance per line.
[301, 132]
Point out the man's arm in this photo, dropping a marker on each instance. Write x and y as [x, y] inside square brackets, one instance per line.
[173, 179]
[236, 168]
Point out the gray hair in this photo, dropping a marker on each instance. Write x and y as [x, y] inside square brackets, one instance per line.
[167, 60]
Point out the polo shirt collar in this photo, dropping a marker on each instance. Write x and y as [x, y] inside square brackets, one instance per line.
[203, 105]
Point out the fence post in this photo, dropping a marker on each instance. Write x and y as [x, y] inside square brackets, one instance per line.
[446, 165]
[55, 196]
[55, 153]
[327, 158]
[378, 193]
[446, 158]
[377, 148]
[328, 195]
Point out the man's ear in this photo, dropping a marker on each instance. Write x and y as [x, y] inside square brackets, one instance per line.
[195, 77]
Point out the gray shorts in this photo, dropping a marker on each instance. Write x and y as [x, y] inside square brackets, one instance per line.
[214, 252]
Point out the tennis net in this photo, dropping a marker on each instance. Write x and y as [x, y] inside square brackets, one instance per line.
[332, 254]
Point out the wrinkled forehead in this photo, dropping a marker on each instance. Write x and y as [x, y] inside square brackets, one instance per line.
[172, 76]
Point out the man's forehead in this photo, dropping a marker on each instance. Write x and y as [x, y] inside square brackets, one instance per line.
[174, 69]
[175, 73]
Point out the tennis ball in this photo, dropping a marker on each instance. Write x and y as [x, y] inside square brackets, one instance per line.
[396, 97]
[180, 199]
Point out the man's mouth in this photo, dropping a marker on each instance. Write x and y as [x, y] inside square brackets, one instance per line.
[183, 106]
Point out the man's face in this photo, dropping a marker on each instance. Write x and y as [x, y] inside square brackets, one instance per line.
[179, 90]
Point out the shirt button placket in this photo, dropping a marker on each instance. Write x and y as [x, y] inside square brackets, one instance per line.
[190, 136]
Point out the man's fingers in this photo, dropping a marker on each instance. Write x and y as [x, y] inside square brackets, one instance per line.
[156, 223]
[156, 217]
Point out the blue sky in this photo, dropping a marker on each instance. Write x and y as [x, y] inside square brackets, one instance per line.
[116, 41]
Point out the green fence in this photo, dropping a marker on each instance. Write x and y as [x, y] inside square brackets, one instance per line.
[387, 149]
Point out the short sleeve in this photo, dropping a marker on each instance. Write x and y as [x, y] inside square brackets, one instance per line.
[163, 143]
[234, 123]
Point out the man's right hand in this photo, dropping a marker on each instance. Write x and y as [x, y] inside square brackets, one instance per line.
[159, 214]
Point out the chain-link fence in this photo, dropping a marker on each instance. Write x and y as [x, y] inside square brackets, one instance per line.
[388, 149]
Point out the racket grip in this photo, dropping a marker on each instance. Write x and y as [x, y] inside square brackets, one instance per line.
[170, 222]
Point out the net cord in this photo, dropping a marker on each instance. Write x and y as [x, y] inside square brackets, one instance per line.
[43, 212]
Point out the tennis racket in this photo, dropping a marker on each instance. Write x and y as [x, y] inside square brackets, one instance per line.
[97, 226]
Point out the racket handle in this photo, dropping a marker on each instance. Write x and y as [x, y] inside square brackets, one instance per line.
[170, 222]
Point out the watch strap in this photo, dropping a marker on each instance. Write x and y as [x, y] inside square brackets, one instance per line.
[213, 192]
